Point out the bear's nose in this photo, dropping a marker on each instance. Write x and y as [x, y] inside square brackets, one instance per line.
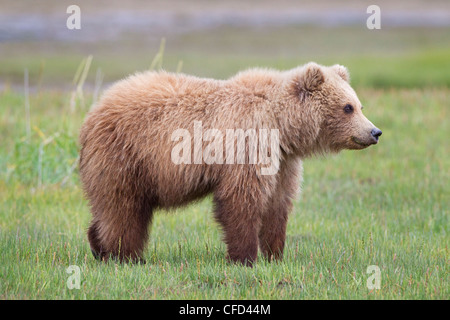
[376, 133]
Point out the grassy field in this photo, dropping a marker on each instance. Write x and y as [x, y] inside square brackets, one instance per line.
[386, 206]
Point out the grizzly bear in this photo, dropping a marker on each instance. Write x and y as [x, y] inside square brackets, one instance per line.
[129, 166]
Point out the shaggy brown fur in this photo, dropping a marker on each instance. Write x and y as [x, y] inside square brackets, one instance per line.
[127, 171]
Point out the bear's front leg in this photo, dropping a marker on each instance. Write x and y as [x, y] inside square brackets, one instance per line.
[272, 234]
[240, 220]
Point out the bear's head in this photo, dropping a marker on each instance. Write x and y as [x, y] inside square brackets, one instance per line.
[332, 105]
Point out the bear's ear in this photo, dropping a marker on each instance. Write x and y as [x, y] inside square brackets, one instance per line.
[341, 71]
[310, 78]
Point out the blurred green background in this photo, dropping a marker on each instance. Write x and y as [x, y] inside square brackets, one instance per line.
[217, 38]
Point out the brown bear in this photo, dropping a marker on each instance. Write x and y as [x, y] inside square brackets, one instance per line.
[136, 155]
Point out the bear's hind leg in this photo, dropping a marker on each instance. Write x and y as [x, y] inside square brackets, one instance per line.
[96, 247]
[121, 232]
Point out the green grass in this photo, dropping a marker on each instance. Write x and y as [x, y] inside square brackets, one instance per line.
[385, 206]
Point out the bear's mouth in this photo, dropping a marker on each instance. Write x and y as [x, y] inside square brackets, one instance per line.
[362, 143]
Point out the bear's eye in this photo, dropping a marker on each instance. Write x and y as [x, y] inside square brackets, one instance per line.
[348, 108]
